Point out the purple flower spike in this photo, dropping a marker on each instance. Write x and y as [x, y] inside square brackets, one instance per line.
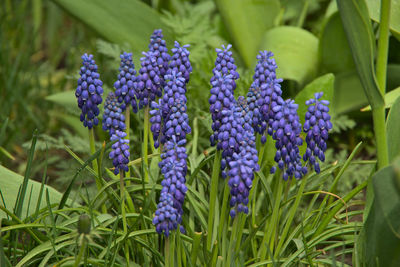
[158, 46]
[243, 162]
[316, 126]
[286, 133]
[149, 80]
[173, 166]
[225, 64]
[89, 92]
[264, 94]
[120, 152]
[125, 85]
[180, 61]
[113, 118]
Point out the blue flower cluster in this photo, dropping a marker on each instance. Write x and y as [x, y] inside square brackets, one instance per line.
[158, 46]
[168, 117]
[243, 162]
[148, 80]
[113, 118]
[180, 61]
[221, 99]
[89, 92]
[174, 168]
[286, 133]
[264, 94]
[125, 85]
[225, 64]
[316, 126]
[170, 120]
[120, 152]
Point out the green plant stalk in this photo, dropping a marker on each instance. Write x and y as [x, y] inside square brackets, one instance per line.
[383, 46]
[223, 220]
[381, 70]
[94, 162]
[195, 248]
[195, 137]
[81, 251]
[232, 242]
[289, 221]
[122, 194]
[167, 252]
[378, 116]
[127, 128]
[145, 144]
[271, 228]
[213, 197]
[303, 14]
[95, 165]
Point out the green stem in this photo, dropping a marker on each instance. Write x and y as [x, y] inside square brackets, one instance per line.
[270, 228]
[378, 116]
[195, 138]
[223, 222]
[167, 252]
[122, 193]
[381, 69]
[81, 251]
[96, 166]
[213, 197]
[289, 221]
[145, 144]
[127, 128]
[383, 46]
[233, 240]
[303, 14]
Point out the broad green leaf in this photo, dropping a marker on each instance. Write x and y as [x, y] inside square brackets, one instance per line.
[321, 84]
[66, 99]
[334, 49]
[118, 21]
[390, 98]
[393, 128]
[381, 246]
[374, 8]
[295, 51]
[358, 29]
[247, 21]
[10, 184]
[349, 94]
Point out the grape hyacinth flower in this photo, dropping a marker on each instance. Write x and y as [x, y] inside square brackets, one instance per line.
[89, 92]
[225, 64]
[265, 91]
[113, 118]
[286, 133]
[180, 61]
[120, 152]
[316, 126]
[148, 80]
[158, 46]
[173, 167]
[125, 85]
[221, 99]
[243, 162]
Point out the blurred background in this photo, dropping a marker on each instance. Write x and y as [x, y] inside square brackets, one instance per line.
[41, 43]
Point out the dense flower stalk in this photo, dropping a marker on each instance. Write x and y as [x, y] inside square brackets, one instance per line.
[113, 117]
[180, 61]
[148, 80]
[125, 85]
[173, 167]
[120, 152]
[89, 92]
[317, 125]
[221, 99]
[264, 92]
[158, 47]
[286, 133]
[243, 162]
[225, 64]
